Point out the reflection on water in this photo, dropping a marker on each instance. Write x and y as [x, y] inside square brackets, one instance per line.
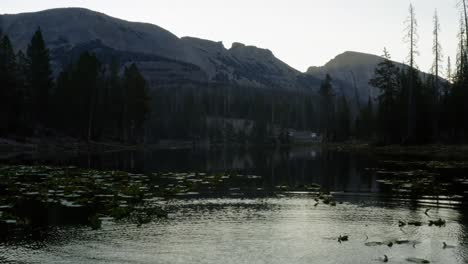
[286, 227]
[270, 230]
[293, 167]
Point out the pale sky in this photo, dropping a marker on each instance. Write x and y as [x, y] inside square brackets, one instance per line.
[302, 33]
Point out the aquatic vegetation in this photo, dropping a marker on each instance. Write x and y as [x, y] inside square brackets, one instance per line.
[438, 222]
[95, 222]
[417, 260]
[384, 259]
[373, 243]
[30, 194]
[143, 219]
[120, 212]
[415, 223]
[343, 238]
[421, 178]
[389, 243]
[445, 246]
[402, 241]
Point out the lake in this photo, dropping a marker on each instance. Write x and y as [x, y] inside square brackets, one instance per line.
[299, 205]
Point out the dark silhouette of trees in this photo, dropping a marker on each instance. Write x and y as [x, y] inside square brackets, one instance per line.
[89, 100]
[135, 105]
[411, 38]
[9, 88]
[327, 108]
[39, 79]
[96, 106]
[387, 80]
[98, 99]
[437, 51]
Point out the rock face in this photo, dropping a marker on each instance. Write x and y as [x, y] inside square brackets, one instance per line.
[163, 57]
[166, 59]
[351, 72]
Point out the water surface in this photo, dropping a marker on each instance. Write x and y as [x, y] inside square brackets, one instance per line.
[279, 222]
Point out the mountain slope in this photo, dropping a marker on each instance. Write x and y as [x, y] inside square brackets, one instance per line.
[351, 72]
[166, 59]
[163, 57]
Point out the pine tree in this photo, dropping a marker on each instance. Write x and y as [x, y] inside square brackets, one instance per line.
[136, 106]
[464, 11]
[437, 50]
[115, 100]
[343, 125]
[9, 104]
[25, 96]
[449, 70]
[86, 81]
[411, 38]
[327, 113]
[39, 77]
[386, 79]
[63, 102]
[365, 123]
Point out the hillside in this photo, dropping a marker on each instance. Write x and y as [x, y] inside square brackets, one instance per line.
[167, 60]
[163, 57]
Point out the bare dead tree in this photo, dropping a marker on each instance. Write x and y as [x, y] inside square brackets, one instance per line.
[411, 37]
[463, 5]
[449, 70]
[437, 51]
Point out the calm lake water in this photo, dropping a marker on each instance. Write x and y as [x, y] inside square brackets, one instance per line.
[276, 219]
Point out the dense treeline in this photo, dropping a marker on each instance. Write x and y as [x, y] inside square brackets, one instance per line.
[222, 113]
[413, 108]
[88, 100]
[92, 100]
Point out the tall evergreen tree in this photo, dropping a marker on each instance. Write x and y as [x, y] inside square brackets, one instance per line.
[448, 75]
[115, 100]
[464, 11]
[437, 51]
[343, 120]
[411, 38]
[386, 79]
[365, 123]
[136, 107]
[86, 81]
[39, 77]
[327, 105]
[9, 104]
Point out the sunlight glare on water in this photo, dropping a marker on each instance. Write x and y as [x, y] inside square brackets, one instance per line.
[268, 230]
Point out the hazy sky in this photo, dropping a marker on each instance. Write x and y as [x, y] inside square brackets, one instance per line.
[300, 32]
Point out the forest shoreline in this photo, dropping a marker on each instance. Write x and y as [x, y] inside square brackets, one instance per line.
[36, 146]
[425, 151]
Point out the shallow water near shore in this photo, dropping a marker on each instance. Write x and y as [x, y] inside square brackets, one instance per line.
[267, 209]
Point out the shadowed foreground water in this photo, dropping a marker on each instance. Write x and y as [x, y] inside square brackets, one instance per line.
[287, 227]
[271, 230]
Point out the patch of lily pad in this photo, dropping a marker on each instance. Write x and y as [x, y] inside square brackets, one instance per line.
[429, 179]
[38, 196]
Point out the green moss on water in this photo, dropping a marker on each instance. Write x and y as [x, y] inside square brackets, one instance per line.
[120, 213]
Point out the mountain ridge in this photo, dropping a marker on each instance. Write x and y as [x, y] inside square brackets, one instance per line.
[165, 59]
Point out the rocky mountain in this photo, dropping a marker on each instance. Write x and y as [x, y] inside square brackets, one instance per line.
[351, 72]
[163, 57]
[166, 59]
